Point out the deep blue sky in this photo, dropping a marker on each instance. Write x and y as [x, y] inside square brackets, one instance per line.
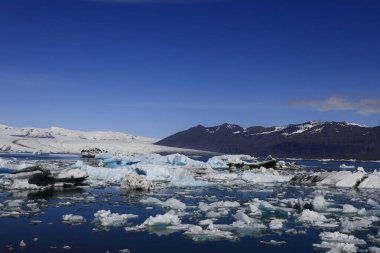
[161, 66]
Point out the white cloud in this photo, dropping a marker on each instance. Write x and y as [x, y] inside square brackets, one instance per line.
[340, 103]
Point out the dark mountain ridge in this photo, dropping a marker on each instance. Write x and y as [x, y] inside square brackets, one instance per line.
[313, 139]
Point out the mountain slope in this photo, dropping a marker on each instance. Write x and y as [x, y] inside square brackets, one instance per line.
[60, 140]
[314, 139]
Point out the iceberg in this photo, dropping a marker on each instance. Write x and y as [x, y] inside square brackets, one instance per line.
[162, 220]
[73, 219]
[265, 176]
[346, 167]
[136, 182]
[211, 233]
[105, 218]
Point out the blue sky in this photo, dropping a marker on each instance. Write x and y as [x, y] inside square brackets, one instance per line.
[154, 67]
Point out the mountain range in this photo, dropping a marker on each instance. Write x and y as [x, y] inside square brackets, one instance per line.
[313, 139]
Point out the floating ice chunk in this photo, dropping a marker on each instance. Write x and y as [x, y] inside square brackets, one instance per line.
[22, 244]
[180, 177]
[273, 242]
[267, 176]
[277, 224]
[107, 219]
[182, 160]
[361, 169]
[73, 219]
[70, 173]
[341, 238]
[242, 217]
[211, 233]
[337, 247]
[171, 203]
[217, 214]
[205, 222]
[316, 219]
[347, 208]
[332, 178]
[243, 223]
[254, 210]
[372, 181]
[319, 202]
[174, 204]
[348, 226]
[373, 250]
[151, 201]
[351, 180]
[373, 203]
[344, 166]
[136, 182]
[311, 216]
[124, 250]
[217, 163]
[219, 204]
[162, 220]
[106, 175]
[263, 205]
[177, 159]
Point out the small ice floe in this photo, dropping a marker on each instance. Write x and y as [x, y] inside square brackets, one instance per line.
[105, 218]
[352, 180]
[319, 202]
[174, 204]
[35, 239]
[136, 182]
[338, 242]
[66, 247]
[316, 219]
[254, 210]
[22, 244]
[347, 208]
[346, 167]
[340, 238]
[373, 203]
[277, 224]
[357, 223]
[264, 175]
[293, 231]
[73, 219]
[182, 160]
[211, 233]
[273, 242]
[35, 222]
[162, 220]
[345, 179]
[371, 182]
[92, 152]
[37, 177]
[171, 203]
[124, 251]
[373, 250]
[216, 205]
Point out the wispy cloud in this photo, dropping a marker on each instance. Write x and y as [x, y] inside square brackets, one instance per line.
[368, 106]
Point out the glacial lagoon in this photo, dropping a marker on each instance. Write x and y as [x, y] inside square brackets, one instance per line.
[206, 212]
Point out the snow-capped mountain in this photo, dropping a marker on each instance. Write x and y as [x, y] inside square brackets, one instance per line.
[313, 139]
[60, 140]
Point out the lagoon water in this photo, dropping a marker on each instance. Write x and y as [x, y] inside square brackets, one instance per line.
[46, 224]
